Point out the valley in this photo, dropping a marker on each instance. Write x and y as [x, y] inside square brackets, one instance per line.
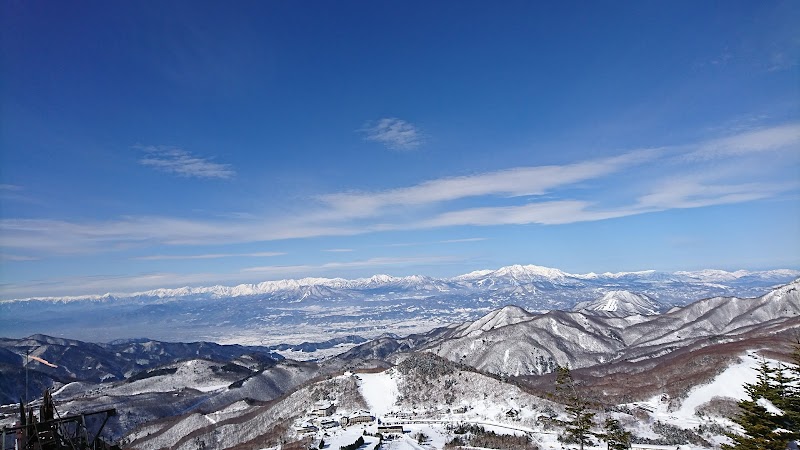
[670, 373]
[320, 309]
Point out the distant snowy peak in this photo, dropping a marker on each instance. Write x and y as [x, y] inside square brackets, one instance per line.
[515, 275]
[475, 275]
[508, 315]
[277, 286]
[714, 275]
[616, 275]
[622, 303]
[788, 293]
[508, 284]
[530, 272]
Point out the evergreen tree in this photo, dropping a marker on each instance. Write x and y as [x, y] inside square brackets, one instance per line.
[760, 425]
[578, 428]
[764, 385]
[787, 386]
[616, 437]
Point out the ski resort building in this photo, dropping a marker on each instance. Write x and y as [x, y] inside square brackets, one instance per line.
[390, 429]
[356, 418]
[328, 423]
[306, 428]
[322, 409]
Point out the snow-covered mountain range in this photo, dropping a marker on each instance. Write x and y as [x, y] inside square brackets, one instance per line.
[496, 368]
[318, 309]
[524, 279]
[512, 341]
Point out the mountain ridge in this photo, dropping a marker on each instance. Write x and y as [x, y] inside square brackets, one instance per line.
[516, 275]
[622, 303]
[515, 342]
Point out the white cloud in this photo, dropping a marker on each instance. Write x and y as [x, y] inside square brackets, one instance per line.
[514, 182]
[17, 193]
[394, 133]
[783, 137]
[65, 237]
[446, 241]
[548, 195]
[183, 163]
[9, 257]
[694, 192]
[208, 256]
[545, 213]
[338, 250]
[368, 263]
[458, 241]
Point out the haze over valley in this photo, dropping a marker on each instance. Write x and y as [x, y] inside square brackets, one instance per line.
[320, 309]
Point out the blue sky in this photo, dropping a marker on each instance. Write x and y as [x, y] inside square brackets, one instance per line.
[162, 144]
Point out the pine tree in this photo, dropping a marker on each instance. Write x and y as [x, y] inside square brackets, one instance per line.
[787, 386]
[759, 424]
[578, 428]
[616, 437]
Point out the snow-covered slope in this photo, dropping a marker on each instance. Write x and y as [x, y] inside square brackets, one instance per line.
[514, 342]
[718, 316]
[71, 360]
[621, 303]
[507, 315]
[430, 389]
[534, 345]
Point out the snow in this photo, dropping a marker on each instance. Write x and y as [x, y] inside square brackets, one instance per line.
[530, 270]
[729, 384]
[379, 390]
[508, 315]
[65, 387]
[611, 304]
[766, 404]
[340, 437]
[211, 388]
[526, 273]
[622, 301]
[436, 438]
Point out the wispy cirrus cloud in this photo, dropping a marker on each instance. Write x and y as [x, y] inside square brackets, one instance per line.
[183, 163]
[544, 213]
[695, 175]
[11, 192]
[394, 133]
[458, 241]
[208, 256]
[338, 250]
[367, 263]
[699, 191]
[445, 241]
[61, 237]
[756, 141]
[10, 257]
[17, 193]
[514, 182]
